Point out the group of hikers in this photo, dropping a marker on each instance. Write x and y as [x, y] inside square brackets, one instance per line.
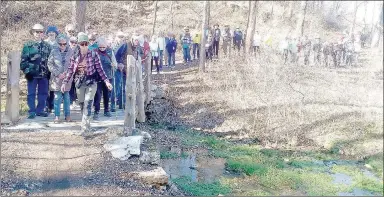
[76, 69]
[343, 51]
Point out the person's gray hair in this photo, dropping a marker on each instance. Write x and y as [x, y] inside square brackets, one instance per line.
[102, 41]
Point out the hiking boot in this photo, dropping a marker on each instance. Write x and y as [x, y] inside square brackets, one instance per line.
[42, 114]
[32, 116]
[107, 114]
[113, 110]
[96, 116]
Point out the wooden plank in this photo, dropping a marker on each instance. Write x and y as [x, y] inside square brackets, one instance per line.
[13, 88]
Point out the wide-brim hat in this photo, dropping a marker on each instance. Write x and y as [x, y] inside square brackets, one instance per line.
[36, 27]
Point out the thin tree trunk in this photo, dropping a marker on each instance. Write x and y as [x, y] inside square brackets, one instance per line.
[377, 31]
[300, 22]
[209, 13]
[247, 39]
[354, 20]
[251, 30]
[365, 13]
[204, 26]
[78, 14]
[154, 19]
[172, 14]
[290, 11]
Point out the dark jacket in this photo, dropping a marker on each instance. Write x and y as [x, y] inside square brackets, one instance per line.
[171, 45]
[106, 61]
[34, 59]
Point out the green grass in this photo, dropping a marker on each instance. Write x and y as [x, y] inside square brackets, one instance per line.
[359, 179]
[201, 189]
[168, 155]
[248, 167]
[376, 162]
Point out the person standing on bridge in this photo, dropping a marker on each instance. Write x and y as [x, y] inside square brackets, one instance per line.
[108, 63]
[34, 59]
[87, 70]
[58, 63]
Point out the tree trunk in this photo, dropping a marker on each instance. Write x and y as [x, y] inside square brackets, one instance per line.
[154, 19]
[365, 14]
[172, 14]
[251, 30]
[204, 26]
[290, 11]
[208, 13]
[354, 21]
[130, 104]
[78, 14]
[246, 41]
[300, 22]
[377, 28]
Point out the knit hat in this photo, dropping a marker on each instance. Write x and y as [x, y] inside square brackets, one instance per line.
[102, 41]
[52, 29]
[73, 39]
[61, 37]
[82, 37]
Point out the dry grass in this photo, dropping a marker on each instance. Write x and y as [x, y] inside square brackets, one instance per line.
[286, 105]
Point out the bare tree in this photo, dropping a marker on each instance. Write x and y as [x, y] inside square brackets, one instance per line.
[172, 14]
[377, 30]
[154, 19]
[300, 22]
[204, 26]
[290, 11]
[251, 29]
[78, 14]
[356, 7]
[250, 7]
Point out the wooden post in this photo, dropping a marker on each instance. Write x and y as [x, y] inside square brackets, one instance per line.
[148, 72]
[13, 89]
[140, 94]
[130, 89]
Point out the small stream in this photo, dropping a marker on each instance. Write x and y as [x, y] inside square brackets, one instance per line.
[201, 168]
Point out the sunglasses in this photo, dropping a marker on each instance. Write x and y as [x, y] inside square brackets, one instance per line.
[102, 47]
[39, 32]
[92, 40]
[71, 31]
[73, 42]
[84, 44]
[62, 44]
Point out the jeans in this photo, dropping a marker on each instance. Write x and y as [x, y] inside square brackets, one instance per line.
[57, 103]
[171, 59]
[216, 48]
[196, 50]
[161, 59]
[42, 93]
[85, 94]
[187, 55]
[50, 99]
[118, 91]
[102, 90]
[156, 59]
[72, 93]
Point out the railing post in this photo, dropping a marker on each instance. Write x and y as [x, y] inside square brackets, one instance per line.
[13, 88]
[130, 89]
[140, 93]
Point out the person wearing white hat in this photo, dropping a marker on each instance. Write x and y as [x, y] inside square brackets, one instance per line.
[34, 59]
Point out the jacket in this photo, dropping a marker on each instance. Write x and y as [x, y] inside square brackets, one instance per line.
[58, 63]
[197, 39]
[93, 66]
[108, 61]
[172, 46]
[34, 59]
[155, 49]
[161, 42]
